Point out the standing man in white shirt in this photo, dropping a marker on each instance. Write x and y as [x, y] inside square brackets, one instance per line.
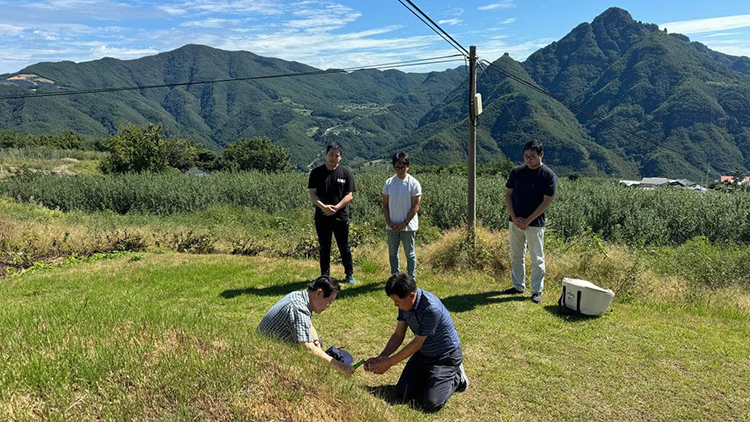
[402, 195]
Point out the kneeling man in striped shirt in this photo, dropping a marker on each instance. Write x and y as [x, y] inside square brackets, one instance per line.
[435, 367]
[290, 319]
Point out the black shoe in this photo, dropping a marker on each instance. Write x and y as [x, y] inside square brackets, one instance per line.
[536, 298]
[464, 384]
[512, 291]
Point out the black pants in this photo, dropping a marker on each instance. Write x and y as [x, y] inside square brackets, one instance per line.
[325, 228]
[430, 381]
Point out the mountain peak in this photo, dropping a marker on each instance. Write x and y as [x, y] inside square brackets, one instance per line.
[614, 14]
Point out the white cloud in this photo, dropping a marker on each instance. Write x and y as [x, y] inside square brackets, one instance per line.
[46, 35]
[172, 10]
[723, 34]
[731, 47]
[707, 25]
[242, 7]
[505, 4]
[316, 19]
[63, 4]
[122, 53]
[450, 22]
[370, 32]
[312, 32]
[456, 11]
[211, 23]
[508, 21]
[11, 30]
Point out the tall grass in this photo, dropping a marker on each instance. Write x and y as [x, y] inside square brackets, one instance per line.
[616, 213]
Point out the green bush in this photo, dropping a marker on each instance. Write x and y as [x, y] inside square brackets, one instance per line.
[255, 154]
[615, 213]
[135, 150]
[706, 265]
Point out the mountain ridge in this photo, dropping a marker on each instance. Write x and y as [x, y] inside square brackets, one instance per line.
[688, 105]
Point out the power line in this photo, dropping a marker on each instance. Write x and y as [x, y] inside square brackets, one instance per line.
[393, 65]
[408, 61]
[435, 27]
[494, 92]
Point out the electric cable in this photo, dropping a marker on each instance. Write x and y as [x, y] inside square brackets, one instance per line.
[454, 42]
[457, 46]
[392, 65]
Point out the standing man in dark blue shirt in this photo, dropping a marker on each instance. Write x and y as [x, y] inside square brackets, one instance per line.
[529, 192]
[331, 188]
[435, 367]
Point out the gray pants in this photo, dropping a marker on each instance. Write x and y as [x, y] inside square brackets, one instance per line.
[533, 238]
[430, 381]
[408, 239]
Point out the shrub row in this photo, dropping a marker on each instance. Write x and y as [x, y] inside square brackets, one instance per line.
[665, 216]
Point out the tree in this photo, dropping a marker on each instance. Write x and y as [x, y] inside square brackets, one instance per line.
[256, 153]
[179, 153]
[140, 150]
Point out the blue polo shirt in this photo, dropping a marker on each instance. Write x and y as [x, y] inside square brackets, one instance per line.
[429, 318]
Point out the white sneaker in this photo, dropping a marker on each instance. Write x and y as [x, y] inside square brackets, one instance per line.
[464, 384]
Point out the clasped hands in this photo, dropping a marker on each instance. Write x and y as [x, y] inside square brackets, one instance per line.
[397, 227]
[329, 210]
[521, 222]
[378, 365]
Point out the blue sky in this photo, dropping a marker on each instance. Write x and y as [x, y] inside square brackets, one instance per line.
[324, 34]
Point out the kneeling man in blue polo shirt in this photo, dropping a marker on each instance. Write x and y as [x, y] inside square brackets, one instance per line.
[434, 370]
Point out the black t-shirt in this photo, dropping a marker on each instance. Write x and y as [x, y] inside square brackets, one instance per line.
[529, 187]
[332, 186]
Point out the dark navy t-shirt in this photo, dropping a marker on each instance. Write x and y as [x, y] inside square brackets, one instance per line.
[529, 187]
[332, 186]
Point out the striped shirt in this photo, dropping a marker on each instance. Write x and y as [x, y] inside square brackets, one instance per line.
[289, 319]
[429, 318]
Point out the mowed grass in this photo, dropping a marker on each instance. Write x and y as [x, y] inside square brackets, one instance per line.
[171, 337]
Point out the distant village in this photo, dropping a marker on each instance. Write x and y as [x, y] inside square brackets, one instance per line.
[655, 182]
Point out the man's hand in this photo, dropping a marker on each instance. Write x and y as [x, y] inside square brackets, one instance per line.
[371, 361]
[400, 227]
[342, 367]
[378, 365]
[329, 210]
[521, 223]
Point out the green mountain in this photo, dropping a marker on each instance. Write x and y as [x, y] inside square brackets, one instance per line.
[663, 106]
[513, 115]
[366, 110]
[687, 105]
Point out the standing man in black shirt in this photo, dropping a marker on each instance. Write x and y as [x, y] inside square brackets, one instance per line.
[331, 189]
[529, 192]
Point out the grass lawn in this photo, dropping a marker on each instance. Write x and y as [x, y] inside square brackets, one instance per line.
[171, 337]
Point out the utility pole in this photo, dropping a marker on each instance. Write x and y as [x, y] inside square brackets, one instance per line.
[472, 217]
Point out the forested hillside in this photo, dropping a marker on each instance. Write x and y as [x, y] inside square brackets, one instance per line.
[662, 105]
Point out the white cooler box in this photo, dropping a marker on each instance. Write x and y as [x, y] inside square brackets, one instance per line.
[585, 297]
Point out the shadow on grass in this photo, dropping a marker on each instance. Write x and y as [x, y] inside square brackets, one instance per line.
[347, 290]
[387, 393]
[567, 314]
[275, 290]
[463, 303]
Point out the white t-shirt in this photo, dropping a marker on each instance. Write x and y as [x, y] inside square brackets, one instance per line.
[399, 194]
